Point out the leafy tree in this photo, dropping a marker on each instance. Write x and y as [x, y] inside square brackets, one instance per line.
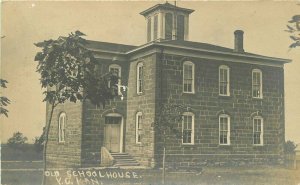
[289, 147]
[39, 142]
[69, 73]
[294, 29]
[17, 140]
[4, 101]
[166, 125]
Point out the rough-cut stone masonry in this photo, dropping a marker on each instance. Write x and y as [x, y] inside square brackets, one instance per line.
[206, 104]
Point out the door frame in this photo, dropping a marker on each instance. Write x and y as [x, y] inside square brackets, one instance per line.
[121, 128]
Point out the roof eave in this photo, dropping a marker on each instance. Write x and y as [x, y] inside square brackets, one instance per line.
[151, 9]
[210, 51]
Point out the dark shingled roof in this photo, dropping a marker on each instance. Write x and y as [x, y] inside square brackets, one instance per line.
[122, 48]
[107, 46]
[197, 45]
[205, 46]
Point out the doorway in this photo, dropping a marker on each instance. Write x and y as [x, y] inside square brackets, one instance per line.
[113, 133]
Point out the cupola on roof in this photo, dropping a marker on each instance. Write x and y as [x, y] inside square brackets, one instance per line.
[167, 22]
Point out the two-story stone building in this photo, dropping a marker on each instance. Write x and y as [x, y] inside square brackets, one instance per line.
[235, 100]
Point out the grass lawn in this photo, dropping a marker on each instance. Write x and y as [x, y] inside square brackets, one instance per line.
[21, 177]
[209, 176]
[22, 165]
[21, 173]
[26, 153]
[232, 176]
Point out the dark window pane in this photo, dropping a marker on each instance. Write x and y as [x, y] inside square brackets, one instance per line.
[155, 27]
[168, 26]
[112, 120]
[180, 27]
[149, 30]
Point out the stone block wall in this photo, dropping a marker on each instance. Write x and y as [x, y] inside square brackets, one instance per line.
[206, 104]
[94, 118]
[145, 103]
[58, 154]
[163, 82]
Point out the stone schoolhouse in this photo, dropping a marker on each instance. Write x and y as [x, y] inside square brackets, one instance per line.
[235, 100]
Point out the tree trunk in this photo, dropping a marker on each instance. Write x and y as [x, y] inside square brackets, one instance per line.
[164, 167]
[46, 142]
[294, 161]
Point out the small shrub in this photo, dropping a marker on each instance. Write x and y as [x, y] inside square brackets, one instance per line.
[289, 147]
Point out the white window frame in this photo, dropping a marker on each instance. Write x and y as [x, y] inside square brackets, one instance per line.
[62, 119]
[116, 66]
[192, 129]
[228, 129]
[223, 67]
[261, 130]
[139, 81]
[254, 71]
[189, 63]
[138, 127]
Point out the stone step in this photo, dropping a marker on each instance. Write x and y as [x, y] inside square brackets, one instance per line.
[121, 156]
[127, 159]
[123, 159]
[119, 153]
[126, 164]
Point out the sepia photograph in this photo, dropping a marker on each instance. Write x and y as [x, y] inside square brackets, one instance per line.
[150, 93]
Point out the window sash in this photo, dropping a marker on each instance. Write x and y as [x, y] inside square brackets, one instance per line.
[223, 137]
[224, 130]
[138, 128]
[256, 84]
[187, 129]
[188, 78]
[116, 71]
[223, 81]
[257, 131]
[140, 77]
[61, 128]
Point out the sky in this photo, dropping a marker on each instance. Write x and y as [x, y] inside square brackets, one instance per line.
[24, 23]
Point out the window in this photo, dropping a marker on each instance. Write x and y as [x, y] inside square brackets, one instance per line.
[224, 129]
[155, 26]
[188, 77]
[224, 81]
[140, 78]
[62, 127]
[138, 128]
[180, 27]
[149, 29]
[188, 128]
[257, 131]
[168, 26]
[116, 70]
[113, 119]
[257, 83]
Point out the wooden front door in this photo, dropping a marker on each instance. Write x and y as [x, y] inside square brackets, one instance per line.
[112, 133]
